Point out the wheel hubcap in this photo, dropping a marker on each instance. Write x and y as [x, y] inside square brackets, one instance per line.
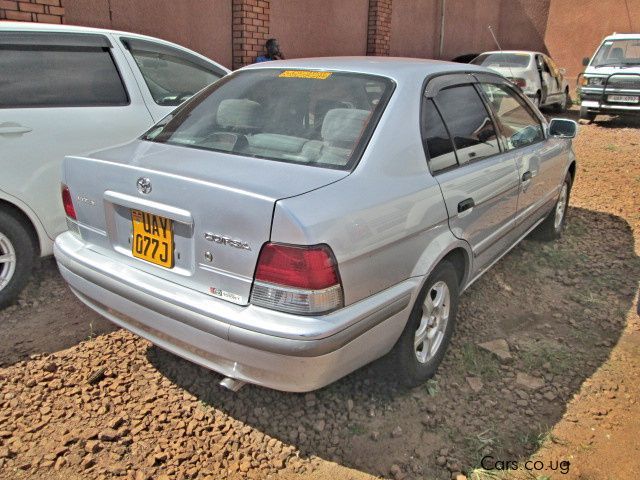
[561, 206]
[7, 261]
[433, 323]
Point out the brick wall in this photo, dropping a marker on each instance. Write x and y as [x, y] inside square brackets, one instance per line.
[250, 30]
[379, 31]
[45, 11]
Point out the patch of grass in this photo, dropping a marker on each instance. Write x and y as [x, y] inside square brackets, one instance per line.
[611, 147]
[479, 363]
[432, 387]
[558, 358]
[475, 444]
[482, 474]
[557, 258]
[357, 429]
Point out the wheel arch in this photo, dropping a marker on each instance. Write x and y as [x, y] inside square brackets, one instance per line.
[572, 171]
[29, 220]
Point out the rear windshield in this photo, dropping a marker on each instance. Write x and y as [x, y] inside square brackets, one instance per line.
[497, 60]
[310, 117]
[618, 53]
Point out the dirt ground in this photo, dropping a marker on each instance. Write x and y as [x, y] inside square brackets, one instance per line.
[567, 391]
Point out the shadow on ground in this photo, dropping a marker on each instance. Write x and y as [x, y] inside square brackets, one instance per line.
[46, 318]
[560, 306]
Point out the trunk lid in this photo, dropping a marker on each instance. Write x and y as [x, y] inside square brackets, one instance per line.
[220, 206]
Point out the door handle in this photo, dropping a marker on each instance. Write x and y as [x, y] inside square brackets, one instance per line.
[526, 176]
[10, 128]
[465, 204]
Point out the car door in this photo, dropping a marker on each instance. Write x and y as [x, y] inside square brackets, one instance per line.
[61, 94]
[548, 83]
[167, 75]
[479, 182]
[537, 160]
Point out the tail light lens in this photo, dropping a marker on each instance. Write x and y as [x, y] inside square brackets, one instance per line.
[297, 279]
[68, 203]
[521, 82]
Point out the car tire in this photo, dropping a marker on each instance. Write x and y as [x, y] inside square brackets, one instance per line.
[17, 256]
[432, 320]
[586, 116]
[552, 226]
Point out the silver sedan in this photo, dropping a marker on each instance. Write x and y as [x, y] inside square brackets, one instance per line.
[300, 219]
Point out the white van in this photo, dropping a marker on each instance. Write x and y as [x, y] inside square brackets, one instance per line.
[68, 90]
[610, 83]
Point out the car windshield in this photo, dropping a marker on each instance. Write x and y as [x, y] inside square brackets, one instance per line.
[317, 118]
[618, 53]
[520, 60]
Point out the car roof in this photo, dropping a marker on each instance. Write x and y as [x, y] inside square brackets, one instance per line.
[524, 52]
[54, 28]
[396, 68]
[623, 36]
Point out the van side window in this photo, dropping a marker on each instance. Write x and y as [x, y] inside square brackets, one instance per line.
[437, 141]
[172, 76]
[516, 121]
[469, 123]
[59, 76]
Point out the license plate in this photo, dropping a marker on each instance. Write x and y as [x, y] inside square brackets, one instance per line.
[623, 98]
[152, 238]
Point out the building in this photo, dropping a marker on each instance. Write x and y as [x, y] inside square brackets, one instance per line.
[233, 31]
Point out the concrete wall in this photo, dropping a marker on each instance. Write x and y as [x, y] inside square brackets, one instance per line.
[575, 28]
[312, 28]
[201, 25]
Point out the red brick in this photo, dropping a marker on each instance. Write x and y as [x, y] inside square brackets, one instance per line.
[19, 16]
[6, 5]
[44, 18]
[31, 7]
[55, 10]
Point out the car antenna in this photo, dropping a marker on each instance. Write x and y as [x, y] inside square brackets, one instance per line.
[500, 48]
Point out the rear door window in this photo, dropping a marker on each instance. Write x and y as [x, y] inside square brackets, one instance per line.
[171, 75]
[518, 124]
[471, 128]
[436, 139]
[59, 76]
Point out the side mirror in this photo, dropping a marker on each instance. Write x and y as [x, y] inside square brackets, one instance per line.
[563, 128]
[585, 61]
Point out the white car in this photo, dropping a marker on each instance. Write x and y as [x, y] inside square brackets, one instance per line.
[66, 90]
[535, 73]
[610, 83]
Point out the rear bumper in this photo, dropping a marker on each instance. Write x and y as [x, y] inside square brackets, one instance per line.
[273, 349]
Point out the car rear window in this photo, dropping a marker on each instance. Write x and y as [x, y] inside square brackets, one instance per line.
[497, 60]
[316, 118]
[59, 76]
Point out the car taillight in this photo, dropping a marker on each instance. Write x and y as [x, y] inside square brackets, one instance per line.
[521, 82]
[68, 203]
[297, 279]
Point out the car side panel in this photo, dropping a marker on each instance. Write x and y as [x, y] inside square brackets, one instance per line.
[492, 183]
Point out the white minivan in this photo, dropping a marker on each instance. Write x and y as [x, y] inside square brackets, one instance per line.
[68, 90]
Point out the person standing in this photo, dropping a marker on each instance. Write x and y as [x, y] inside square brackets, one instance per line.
[272, 51]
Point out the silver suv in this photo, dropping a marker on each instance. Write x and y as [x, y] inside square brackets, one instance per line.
[299, 219]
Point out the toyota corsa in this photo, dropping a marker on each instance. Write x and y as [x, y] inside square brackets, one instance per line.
[299, 219]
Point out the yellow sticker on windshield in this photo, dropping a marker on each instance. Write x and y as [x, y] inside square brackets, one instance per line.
[305, 74]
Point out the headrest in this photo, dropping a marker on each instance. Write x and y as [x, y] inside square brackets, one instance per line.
[617, 53]
[240, 113]
[344, 125]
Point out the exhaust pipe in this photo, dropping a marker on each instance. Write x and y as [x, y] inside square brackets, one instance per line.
[232, 384]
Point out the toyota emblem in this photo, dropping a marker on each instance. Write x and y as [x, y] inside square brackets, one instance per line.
[144, 185]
